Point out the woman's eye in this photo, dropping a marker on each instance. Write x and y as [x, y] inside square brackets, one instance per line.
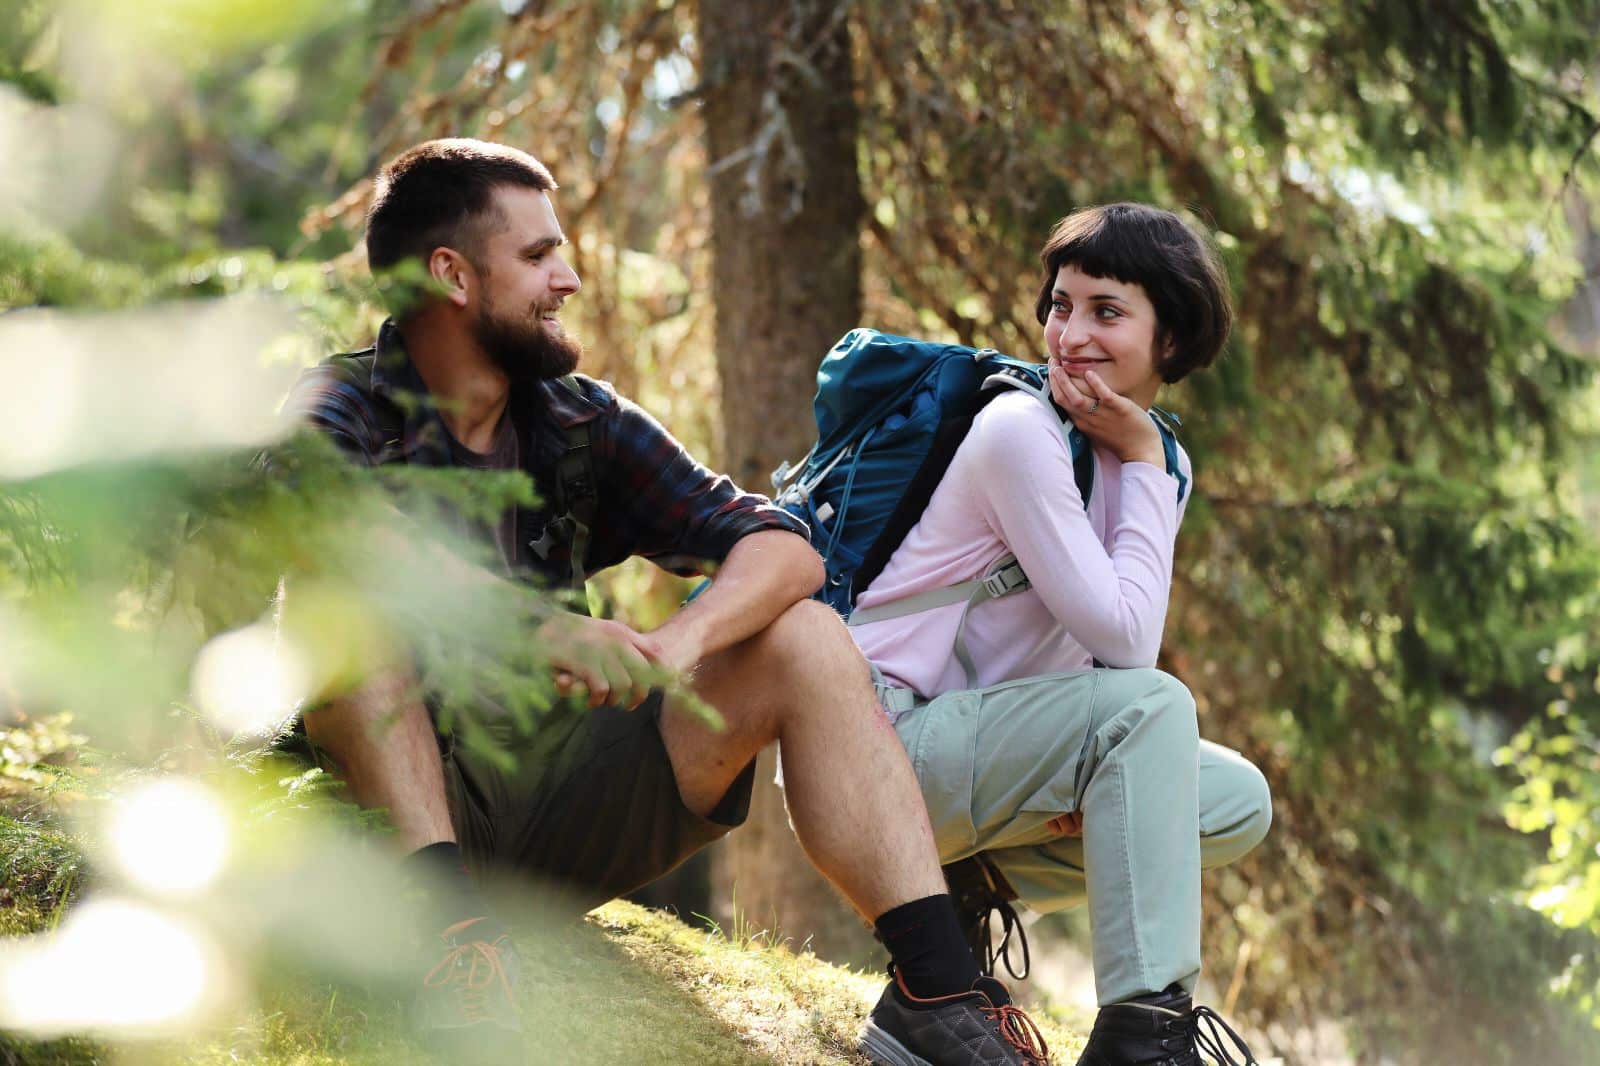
[1107, 312]
[1059, 307]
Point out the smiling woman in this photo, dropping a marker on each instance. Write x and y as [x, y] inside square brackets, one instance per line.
[1049, 779]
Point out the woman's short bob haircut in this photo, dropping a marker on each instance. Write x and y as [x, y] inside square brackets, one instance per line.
[1177, 268]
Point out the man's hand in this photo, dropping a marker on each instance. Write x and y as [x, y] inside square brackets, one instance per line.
[1108, 418]
[611, 662]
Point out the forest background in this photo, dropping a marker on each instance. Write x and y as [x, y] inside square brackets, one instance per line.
[1386, 592]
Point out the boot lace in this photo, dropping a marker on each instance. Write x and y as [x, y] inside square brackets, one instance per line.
[1209, 1032]
[471, 970]
[1010, 925]
[980, 891]
[1020, 1032]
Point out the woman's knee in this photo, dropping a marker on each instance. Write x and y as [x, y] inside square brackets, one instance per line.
[1258, 807]
[1236, 808]
[1154, 697]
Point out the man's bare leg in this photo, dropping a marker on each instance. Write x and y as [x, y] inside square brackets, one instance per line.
[852, 795]
[382, 737]
[383, 740]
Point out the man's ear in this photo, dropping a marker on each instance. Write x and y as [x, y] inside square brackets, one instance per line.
[453, 277]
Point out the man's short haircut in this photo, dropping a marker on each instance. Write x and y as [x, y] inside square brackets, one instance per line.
[441, 194]
[1177, 268]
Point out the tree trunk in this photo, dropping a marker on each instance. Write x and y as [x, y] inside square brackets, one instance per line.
[1581, 316]
[781, 127]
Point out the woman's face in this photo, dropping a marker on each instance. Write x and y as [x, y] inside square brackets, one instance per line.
[1106, 326]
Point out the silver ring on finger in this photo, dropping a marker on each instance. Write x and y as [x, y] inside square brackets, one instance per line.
[1094, 406]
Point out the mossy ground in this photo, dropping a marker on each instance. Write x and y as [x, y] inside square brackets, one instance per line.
[628, 985]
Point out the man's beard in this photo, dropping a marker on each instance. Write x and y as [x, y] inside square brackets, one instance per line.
[524, 352]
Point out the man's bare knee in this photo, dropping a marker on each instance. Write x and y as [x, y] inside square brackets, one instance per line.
[803, 637]
[382, 739]
[805, 662]
[364, 710]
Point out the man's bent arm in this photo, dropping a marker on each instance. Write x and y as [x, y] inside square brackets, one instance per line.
[765, 574]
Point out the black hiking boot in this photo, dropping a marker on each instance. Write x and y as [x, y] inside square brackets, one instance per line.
[1161, 1029]
[975, 1028]
[980, 892]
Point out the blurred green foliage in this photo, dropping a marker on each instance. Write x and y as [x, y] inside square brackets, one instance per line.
[1386, 555]
[1387, 591]
[28, 748]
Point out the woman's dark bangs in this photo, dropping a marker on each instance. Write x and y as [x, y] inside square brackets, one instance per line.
[1109, 251]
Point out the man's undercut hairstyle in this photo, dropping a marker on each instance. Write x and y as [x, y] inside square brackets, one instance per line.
[441, 194]
[1177, 268]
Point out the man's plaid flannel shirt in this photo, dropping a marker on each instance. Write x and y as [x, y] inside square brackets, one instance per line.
[653, 498]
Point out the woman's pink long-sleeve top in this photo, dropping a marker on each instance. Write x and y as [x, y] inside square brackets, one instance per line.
[1100, 577]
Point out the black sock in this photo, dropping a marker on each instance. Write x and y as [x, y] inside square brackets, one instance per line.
[442, 873]
[924, 940]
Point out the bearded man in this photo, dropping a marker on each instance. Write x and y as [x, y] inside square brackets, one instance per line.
[475, 371]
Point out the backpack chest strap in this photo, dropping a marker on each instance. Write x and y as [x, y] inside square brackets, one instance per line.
[573, 497]
[576, 500]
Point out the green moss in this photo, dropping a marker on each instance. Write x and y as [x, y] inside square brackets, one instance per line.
[630, 985]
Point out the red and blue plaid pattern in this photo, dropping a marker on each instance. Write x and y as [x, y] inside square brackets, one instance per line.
[653, 498]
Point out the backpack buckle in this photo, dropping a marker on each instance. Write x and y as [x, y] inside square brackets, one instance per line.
[1006, 580]
[787, 471]
[556, 531]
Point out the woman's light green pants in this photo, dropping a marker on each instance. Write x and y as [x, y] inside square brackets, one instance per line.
[1121, 746]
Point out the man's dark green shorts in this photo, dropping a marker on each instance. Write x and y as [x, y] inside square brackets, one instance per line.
[588, 803]
[591, 803]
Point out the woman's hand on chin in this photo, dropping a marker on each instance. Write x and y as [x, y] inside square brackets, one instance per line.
[1110, 420]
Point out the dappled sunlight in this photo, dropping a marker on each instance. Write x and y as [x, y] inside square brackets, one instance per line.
[124, 385]
[192, 30]
[114, 966]
[169, 836]
[250, 680]
[1384, 593]
[58, 161]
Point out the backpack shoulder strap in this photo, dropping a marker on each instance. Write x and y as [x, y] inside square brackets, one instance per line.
[388, 421]
[1165, 421]
[576, 496]
[575, 484]
[1003, 578]
[1076, 440]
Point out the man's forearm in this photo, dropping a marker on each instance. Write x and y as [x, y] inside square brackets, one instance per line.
[764, 575]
